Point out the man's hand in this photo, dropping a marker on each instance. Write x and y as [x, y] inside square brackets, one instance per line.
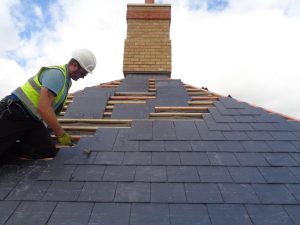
[65, 139]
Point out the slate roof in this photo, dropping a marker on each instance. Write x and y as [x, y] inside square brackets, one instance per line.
[234, 165]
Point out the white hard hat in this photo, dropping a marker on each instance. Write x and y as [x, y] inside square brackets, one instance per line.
[85, 58]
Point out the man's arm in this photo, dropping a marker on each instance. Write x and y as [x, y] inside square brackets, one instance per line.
[46, 111]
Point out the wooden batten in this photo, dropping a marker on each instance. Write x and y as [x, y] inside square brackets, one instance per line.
[112, 102]
[131, 97]
[205, 98]
[209, 103]
[176, 115]
[133, 93]
[94, 121]
[177, 108]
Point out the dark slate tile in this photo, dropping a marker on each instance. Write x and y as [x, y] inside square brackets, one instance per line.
[244, 119]
[260, 136]
[297, 134]
[280, 159]
[294, 124]
[186, 130]
[63, 191]
[109, 158]
[6, 209]
[293, 211]
[153, 146]
[296, 144]
[208, 135]
[182, 174]
[284, 125]
[98, 192]
[284, 136]
[110, 214]
[251, 111]
[204, 146]
[175, 146]
[269, 118]
[62, 172]
[203, 193]
[82, 158]
[268, 215]
[240, 127]
[273, 194]
[232, 103]
[263, 126]
[119, 173]
[71, 213]
[295, 171]
[32, 213]
[220, 118]
[151, 173]
[165, 158]
[171, 95]
[278, 175]
[238, 193]
[194, 158]
[246, 175]
[133, 84]
[140, 130]
[130, 111]
[123, 144]
[149, 214]
[137, 158]
[230, 146]
[89, 103]
[29, 191]
[256, 146]
[103, 140]
[163, 130]
[189, 214]
[225, 111]
[295, 190]
[167, 192]
[222, 159]
[213, 125]
[296, 156]
[235, 136]
[13, 173]
[282, 146]
[88, 173]
[228, 214]
[5, 188]
[133, 192]
[214, 174]
[251, 159]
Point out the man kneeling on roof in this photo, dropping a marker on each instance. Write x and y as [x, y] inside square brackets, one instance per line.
[25, 113]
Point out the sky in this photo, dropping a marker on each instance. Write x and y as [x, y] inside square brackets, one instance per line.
[249, 49]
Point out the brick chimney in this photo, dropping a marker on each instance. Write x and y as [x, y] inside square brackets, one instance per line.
[148, 46]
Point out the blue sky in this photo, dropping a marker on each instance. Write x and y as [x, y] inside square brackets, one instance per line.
[209, 5]
[35, 14]
[246, 48]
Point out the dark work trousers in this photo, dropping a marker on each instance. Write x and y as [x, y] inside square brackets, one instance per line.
[21, 134]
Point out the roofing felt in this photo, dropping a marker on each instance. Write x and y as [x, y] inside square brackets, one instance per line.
[237, 164]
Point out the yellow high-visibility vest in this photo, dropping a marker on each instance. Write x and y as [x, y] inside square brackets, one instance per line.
[29, 93]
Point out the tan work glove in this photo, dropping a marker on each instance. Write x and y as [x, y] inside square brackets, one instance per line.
[65, 139]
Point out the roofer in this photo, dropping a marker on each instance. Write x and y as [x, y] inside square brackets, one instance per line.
[31, 109]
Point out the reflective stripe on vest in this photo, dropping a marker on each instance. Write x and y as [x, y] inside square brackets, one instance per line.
[29, 93]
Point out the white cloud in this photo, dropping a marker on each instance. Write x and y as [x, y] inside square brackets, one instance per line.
[249, 50]
[9, 31]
